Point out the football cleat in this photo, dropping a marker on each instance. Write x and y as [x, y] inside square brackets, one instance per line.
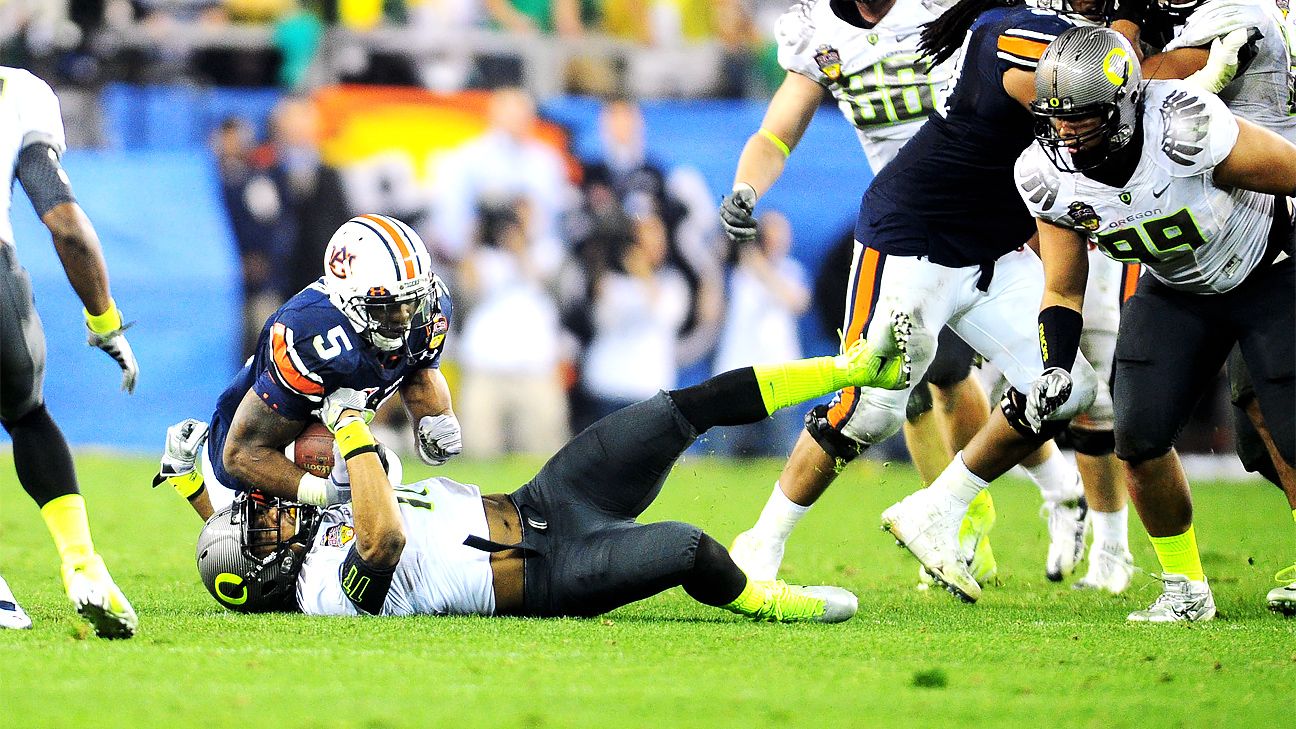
[1111, 567]
[974, 540]
[887, 365]
[98, 599]
[784, 603]
[1066, 527]
[11, 613]
[1282, 600]
[1182, 601]
[927, 524]
[757, 555]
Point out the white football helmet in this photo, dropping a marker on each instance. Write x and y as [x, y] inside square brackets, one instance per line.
[379, 273]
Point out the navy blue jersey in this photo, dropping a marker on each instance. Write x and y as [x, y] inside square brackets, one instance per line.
[949, 194]
[309, 349]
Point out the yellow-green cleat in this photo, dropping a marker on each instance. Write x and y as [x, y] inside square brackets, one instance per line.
[883, 364]
[98, 599]
[974, 537]
[776, 601]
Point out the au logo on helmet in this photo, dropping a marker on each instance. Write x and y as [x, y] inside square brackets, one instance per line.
[1116, 66]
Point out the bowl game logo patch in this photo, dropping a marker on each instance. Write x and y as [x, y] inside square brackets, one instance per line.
[1084, 216]
[338, 535]
[829, 61]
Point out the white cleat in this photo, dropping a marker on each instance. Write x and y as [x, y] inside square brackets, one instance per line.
[12, 615]
[840, 604]
[1066, 527]
[927, 524]
[1183, 601]
[98, 600]
[757, 555]
[1282, 600]
[1111, 567]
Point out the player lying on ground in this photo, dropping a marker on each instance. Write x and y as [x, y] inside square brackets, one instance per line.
[1114, 157]
[375, 323]
[566, 543]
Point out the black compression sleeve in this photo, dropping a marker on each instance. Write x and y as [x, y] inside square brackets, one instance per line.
[729, 398]
[43, 178]
[1059, 336]
[365, 586]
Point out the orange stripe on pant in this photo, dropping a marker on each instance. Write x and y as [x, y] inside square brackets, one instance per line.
[1129, 281]
[867, 279]
[406, 253]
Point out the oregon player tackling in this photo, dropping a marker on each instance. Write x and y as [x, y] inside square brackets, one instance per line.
[1164, 174]
[566, 543]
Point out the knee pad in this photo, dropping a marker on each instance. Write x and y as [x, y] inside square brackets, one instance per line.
[1092, 442]
[836, 444]
[1013, 406]
[920, 402]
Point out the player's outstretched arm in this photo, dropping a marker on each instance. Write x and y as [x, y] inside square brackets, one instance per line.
[380, 535]
[786, 118]
[1261, 161]
[254, 452]
[436, 429]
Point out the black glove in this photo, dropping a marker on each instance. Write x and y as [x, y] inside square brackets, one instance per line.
[736, 214]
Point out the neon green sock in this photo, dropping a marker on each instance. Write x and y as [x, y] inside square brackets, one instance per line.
[65, 517]
[795, 382]
[1293, 514]
[1178, 554]
[747, 602]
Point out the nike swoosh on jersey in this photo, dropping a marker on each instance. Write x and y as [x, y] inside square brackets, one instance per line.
[1159, 193]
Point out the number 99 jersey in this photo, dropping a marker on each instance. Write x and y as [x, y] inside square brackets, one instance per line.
[881, 84]
[309, 348]
[1193, 236]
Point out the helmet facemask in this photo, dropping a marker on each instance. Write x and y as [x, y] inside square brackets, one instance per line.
[250, 552]
[1094, 12]
[386, 319]
[1087, 91]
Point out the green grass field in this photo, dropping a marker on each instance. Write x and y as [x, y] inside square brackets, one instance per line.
[1031, 653]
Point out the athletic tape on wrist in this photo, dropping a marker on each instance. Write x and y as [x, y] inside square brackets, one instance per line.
[313, 490]
[354, 434]
[105, 322]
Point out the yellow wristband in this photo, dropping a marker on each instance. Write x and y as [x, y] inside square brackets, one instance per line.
[355, 434]
[773, 138]
[187, 485]
[106, 322]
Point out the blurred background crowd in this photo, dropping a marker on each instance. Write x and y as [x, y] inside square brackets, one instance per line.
[562, 159]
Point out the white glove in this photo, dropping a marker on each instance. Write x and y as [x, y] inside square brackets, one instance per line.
[341, 400]
[115, 344]
[1222, 64]
[439, 438]
[183, 445]
[1049, 391]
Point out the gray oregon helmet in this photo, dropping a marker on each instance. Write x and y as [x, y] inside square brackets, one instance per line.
[1086, 72]
[246, 565]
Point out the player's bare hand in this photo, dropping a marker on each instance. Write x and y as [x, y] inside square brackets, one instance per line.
[439, 438]
[736, 213]
[1049, 391]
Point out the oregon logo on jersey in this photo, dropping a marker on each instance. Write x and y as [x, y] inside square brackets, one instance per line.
[894, 90]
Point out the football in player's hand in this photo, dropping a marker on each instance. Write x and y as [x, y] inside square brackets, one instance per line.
[313, 450]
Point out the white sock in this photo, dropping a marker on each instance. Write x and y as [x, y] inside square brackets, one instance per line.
[1111, 527]
[780, 515]
[961, 483]
[1057, 479]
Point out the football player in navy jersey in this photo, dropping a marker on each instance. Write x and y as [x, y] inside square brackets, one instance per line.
[375, 323]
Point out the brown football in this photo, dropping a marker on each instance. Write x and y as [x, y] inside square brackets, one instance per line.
[313, 450]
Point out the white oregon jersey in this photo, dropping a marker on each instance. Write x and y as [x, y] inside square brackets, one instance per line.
[29, 113]
[1261, 93]
[1191, 235]
[436, 575]
[881, 85]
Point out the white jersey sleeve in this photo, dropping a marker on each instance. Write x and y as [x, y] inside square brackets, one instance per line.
[794, 32]
[1216, 19]
[1195, 129]
[38, 109]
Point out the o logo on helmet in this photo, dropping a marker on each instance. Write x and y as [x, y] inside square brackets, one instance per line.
[1116, 66]
[226, 584]
[1055, 102]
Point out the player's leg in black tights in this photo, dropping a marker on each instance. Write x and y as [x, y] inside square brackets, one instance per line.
[41, 456]
[729, 398]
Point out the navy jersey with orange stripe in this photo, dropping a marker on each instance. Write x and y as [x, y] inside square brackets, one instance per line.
[949, 194]
[308, 349]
